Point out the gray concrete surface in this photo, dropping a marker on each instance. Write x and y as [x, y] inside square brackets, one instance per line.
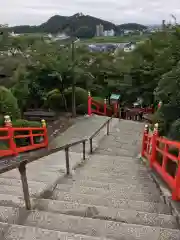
[111, 195]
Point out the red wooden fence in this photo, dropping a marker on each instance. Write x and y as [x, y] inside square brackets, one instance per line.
[104, 110]
[37, 138]
[159, 152]
[101, 108]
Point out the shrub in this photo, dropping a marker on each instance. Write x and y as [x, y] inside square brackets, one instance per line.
[174, 132]
[159, 118]
[82, 108]
[8, 104]
[54, 100]
[25, 123]
[81, 96]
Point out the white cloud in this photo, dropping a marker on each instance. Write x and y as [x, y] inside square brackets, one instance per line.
[119, 11]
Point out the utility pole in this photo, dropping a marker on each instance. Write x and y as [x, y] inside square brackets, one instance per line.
[73, 84]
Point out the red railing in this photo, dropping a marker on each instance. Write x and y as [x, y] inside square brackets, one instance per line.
[147, 110]
[159, 152]
[34, 138]
[101, 108]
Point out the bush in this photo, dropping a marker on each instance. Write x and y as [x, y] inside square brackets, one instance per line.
[8, 104]
[158, 118]
[55, 100]
[81, 96]
[174, 132]
[82, 108]
[25, 123]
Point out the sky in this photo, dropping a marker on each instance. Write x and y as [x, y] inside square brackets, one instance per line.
[35, 12]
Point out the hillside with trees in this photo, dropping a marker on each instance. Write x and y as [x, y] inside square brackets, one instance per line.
[132, 26]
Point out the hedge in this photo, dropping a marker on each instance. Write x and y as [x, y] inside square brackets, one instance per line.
[54, 100]
[81, 96]
[8, 104]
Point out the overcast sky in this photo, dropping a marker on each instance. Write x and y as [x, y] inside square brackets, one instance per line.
[35, 12]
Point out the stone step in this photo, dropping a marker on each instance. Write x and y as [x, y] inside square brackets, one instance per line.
[34, 190]
[106, 179]
[114, 214]
[107, 188]
[121, 194]
[18, 201]
[142, 173]
[119, 175]
[13, 232]
[90, 227]
[147, 188]
[116, 165]
[124, 203]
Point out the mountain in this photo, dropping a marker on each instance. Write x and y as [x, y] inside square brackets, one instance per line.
[73, 24]
[69, 25]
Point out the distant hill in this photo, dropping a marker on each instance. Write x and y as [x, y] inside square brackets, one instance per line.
[132, 26]
[69, 25]
[73, 24]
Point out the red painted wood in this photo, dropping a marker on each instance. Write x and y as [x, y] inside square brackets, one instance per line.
[9, 133]
[151, 156]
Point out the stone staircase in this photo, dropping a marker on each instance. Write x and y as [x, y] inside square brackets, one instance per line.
[109, 196]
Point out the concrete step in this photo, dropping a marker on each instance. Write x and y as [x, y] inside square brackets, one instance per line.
[111, 188]
[119, 165]
[105, 213]
[122, 172]
[146, 187]
[76, 199]
[90, 227]
[111, 201]
[119, 175]
[12, 232]
[107, 179]
[121, 194]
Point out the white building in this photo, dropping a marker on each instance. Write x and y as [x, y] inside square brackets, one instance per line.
[99, 30]
[109, 33]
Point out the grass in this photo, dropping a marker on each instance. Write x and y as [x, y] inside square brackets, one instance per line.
[116, 39]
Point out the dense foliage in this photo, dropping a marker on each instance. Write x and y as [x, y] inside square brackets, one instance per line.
[41, 73]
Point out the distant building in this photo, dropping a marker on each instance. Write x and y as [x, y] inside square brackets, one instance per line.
[12, 34]
[109, 33]
[99, 30]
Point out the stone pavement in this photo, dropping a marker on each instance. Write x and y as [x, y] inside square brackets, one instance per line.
[111, 196]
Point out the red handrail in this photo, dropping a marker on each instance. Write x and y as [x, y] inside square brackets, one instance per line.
[10, 135]
[153, 147]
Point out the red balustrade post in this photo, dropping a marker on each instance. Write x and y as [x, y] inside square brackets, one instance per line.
[89, 104]
[105, 107]
[45, 132]
[8, 124]
[144, 141]
[176, 191]
[31, 137]
[160, 104]
[154, 143]
[115, 109]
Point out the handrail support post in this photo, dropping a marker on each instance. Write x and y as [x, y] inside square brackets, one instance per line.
[91, 146]
[67, 161]
[84, 150]
[108, 128]
[22, 170]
